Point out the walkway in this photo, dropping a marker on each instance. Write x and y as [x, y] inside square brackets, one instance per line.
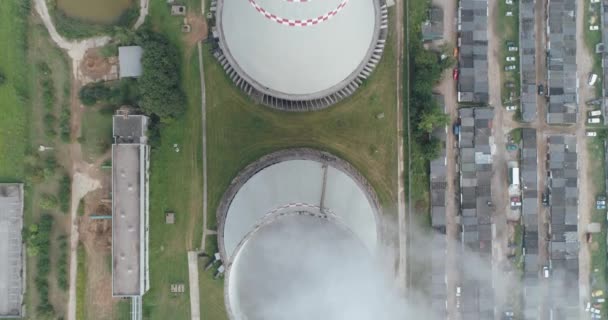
[195, 309]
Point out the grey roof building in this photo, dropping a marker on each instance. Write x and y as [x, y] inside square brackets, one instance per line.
[473, 54]
[561, 60]
[129, 61]
[527, 43]
[11, 250]
[439, 179]
[432, 28]
[563, 245]
[604, 11]
[130, 220]
[529, 166]
[475, 198]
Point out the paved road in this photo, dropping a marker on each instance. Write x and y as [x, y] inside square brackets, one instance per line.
[195, 309]
[143, 13]
[402, 275]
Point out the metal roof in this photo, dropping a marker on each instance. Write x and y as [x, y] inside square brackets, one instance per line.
[11, 250]
[129, 59]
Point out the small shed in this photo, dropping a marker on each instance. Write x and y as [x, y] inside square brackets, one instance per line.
[178, 10]
[170, 218]
[129, 61]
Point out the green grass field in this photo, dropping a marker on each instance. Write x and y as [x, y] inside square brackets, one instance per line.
[81, 280]
[96, 132]
[240, 132]
[13, 107]
[598, 246]
[592, 38]
[508, 29]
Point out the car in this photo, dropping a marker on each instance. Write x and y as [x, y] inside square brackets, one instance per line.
[509, 313]
[511, 107]
[541, 90]
[592, 79]
[509, 13]
[509, 85]
[594, 28]
[510, 59]
[509, 1]
[588, 307]
[510, 67]
[458, 291]
[455, 52]
[546, 199]
[455, 73]
[591, 134]
[546, 272]
[595, 113]
[511, 47]
[593, 120]
[597, 293]
[511, 147]
[515, 202]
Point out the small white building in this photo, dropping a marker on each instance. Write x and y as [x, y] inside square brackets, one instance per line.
[129, 61]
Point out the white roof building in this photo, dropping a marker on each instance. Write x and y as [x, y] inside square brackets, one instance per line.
[129, 60]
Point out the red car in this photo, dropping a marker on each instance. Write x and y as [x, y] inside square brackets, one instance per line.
[455, 73]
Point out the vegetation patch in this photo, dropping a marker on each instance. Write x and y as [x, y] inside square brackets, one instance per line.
[81, 283]
[38, 245]
[63, 263]
[508, 26]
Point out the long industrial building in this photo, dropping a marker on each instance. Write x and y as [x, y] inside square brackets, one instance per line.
[529, 178]
[300, 55]
[473, 53]
[130, 220]
[561, 60]
[564, 244]
[11, 250]
[527, 43]
[475, 205]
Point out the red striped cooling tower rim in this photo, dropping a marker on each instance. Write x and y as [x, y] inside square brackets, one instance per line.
[298, 22]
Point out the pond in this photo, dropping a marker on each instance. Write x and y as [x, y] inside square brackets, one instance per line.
[97, 11]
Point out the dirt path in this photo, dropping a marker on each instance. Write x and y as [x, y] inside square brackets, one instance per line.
[195, 309]
[143, 13]
[402, 276]
[447, 88]
[584, 64]
[81, 185]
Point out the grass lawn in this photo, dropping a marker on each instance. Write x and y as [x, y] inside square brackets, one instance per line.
[175, 185]
[13, 107]
[239, 132]
[96, 136]
[81, 280]
[598, 246]
[592, 38]
[212, 306]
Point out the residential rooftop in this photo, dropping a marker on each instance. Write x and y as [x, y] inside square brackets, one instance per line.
[11, 250]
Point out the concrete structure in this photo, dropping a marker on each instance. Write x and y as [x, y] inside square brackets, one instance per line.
[527, 57]
[11, 250]
[130, 162]
[279, 214]
[129, 61]
[529, 178]
[300, 55]
[476, 208]
[473, 56]
[561, 60]
[604, 14]
[563, 245]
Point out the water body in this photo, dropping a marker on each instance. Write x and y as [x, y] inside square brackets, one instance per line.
[97, 11]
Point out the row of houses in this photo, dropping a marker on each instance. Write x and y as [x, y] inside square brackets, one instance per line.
[476, 209]
[527, 42]
[563, 227]
[604, 15]
[529, 170]
[438, 179]
[561, 59]
[473, 51]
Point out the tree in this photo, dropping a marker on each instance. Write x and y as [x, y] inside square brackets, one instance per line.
[159, 85]
[431, 149]
[2, 78]
[432, 119]
[94, 92]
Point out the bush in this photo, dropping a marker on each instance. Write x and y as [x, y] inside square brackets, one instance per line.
[94, 92]
[49, 202]
[62, 263]
[2, 78]
[38, 244]
[159, 85]
[65, 193]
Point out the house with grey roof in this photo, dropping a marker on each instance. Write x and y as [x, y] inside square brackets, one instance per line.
[527, 57]
[129, 61]
[11, 250]
[473, 51]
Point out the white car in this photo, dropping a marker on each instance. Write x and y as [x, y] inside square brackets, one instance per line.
[510, 59]
[510, 108]
[509, 13]
[591, 134]
[592, 79]
[593, 28]
[546, 272]
[510, 67]
[593, 120]
[511, 1]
